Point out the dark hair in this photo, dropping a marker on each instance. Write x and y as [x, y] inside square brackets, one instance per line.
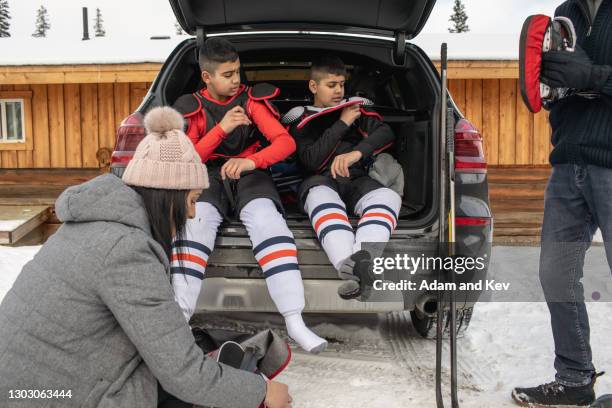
[165, 209]
[327, 64]
[216, 51]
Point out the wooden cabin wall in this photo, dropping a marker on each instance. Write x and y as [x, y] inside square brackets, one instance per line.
[72, 121]
[512, 135]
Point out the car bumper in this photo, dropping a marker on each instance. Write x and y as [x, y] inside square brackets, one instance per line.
[251, 295]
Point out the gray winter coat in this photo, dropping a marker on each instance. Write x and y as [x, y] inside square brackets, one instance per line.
[94, 313]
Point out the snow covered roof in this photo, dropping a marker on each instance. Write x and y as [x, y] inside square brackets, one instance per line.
[48, 51]
[470, 46]
[53, 51]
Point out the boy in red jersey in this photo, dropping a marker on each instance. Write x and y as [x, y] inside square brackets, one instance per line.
[229, 123]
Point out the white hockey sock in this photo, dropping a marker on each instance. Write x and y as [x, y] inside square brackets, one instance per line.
[190, 256]
[327, 214]
[378, 210]
[287, 292]
[275, 251]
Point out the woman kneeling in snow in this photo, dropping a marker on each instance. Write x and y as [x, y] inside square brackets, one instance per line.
[93, 315]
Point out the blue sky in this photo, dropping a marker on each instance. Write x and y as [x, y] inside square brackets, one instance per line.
[126, 18]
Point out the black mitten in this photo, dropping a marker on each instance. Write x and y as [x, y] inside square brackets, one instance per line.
[565, 69]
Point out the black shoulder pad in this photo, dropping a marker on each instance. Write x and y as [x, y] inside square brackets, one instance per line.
[263, 91]
[187, 105]
[368, 111]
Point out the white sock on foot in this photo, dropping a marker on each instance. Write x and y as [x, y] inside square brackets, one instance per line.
[275, 251]
[306, 338]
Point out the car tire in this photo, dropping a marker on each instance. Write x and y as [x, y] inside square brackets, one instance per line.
[426, 325]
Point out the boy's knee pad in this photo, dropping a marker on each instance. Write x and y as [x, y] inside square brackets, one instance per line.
[382, 196]
[541, 34]
[259, 206]
[321, 194]
[207, 217]
[260, 216]
[205, 224]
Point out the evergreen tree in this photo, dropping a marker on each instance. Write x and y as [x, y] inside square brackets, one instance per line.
[178, 28]
[459, 18]
[42, 23]
[5, 17]
[98, 27]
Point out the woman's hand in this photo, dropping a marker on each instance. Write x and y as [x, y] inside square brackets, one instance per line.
[340, 165]
[277, 395]
[233, 168]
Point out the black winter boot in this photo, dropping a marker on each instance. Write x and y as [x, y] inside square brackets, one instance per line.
[556, 395]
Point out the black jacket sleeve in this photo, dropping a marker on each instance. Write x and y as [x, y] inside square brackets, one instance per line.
[608, 87]
[314, 149]
[376, 136]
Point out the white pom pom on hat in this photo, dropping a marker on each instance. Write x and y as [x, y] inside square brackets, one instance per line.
[166, 158]
[163, 119]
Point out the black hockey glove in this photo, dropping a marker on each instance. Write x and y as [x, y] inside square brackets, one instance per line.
[565, 69]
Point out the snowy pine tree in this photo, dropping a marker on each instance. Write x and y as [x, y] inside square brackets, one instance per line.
[5, 16]
[178, 28]
[100, 32]
[459, 18]
[42, 23]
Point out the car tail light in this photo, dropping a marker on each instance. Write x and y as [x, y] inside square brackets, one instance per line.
[469, 155]
[130, 133]
[472, 221]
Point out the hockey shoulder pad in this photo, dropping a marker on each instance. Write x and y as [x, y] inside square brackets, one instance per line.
[334, 112]
[188, 105]
[264, 92]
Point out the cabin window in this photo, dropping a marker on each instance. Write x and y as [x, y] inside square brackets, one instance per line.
[12, 121]
[16, 121]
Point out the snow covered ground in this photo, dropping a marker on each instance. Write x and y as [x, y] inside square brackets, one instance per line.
[380, 361]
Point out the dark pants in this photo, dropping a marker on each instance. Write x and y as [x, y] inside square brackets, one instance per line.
[578, 200]
[252, 184]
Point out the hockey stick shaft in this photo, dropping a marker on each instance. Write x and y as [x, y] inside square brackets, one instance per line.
[442, 221]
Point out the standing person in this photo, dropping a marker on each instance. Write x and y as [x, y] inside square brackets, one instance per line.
[92, 318]
[332, 158]
[577, 199]
[228, 124]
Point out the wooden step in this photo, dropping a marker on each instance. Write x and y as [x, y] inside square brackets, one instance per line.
[500, 206]
[518, 240]
[38, 235]
[517, 231]
[39, 186]
[518, 218]
[517, 175]
[516, 200]
[516, 191]
[34, 195]
[63, 177]
[17, 221]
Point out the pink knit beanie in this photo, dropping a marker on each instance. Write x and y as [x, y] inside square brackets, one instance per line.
[166, 158]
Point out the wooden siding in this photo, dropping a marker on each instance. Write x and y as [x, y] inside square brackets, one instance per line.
[78, 74]
[146, 72]
[512, 135]
[71, 122]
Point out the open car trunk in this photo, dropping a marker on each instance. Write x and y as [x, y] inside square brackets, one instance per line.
[405, 96]
[383, 16]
